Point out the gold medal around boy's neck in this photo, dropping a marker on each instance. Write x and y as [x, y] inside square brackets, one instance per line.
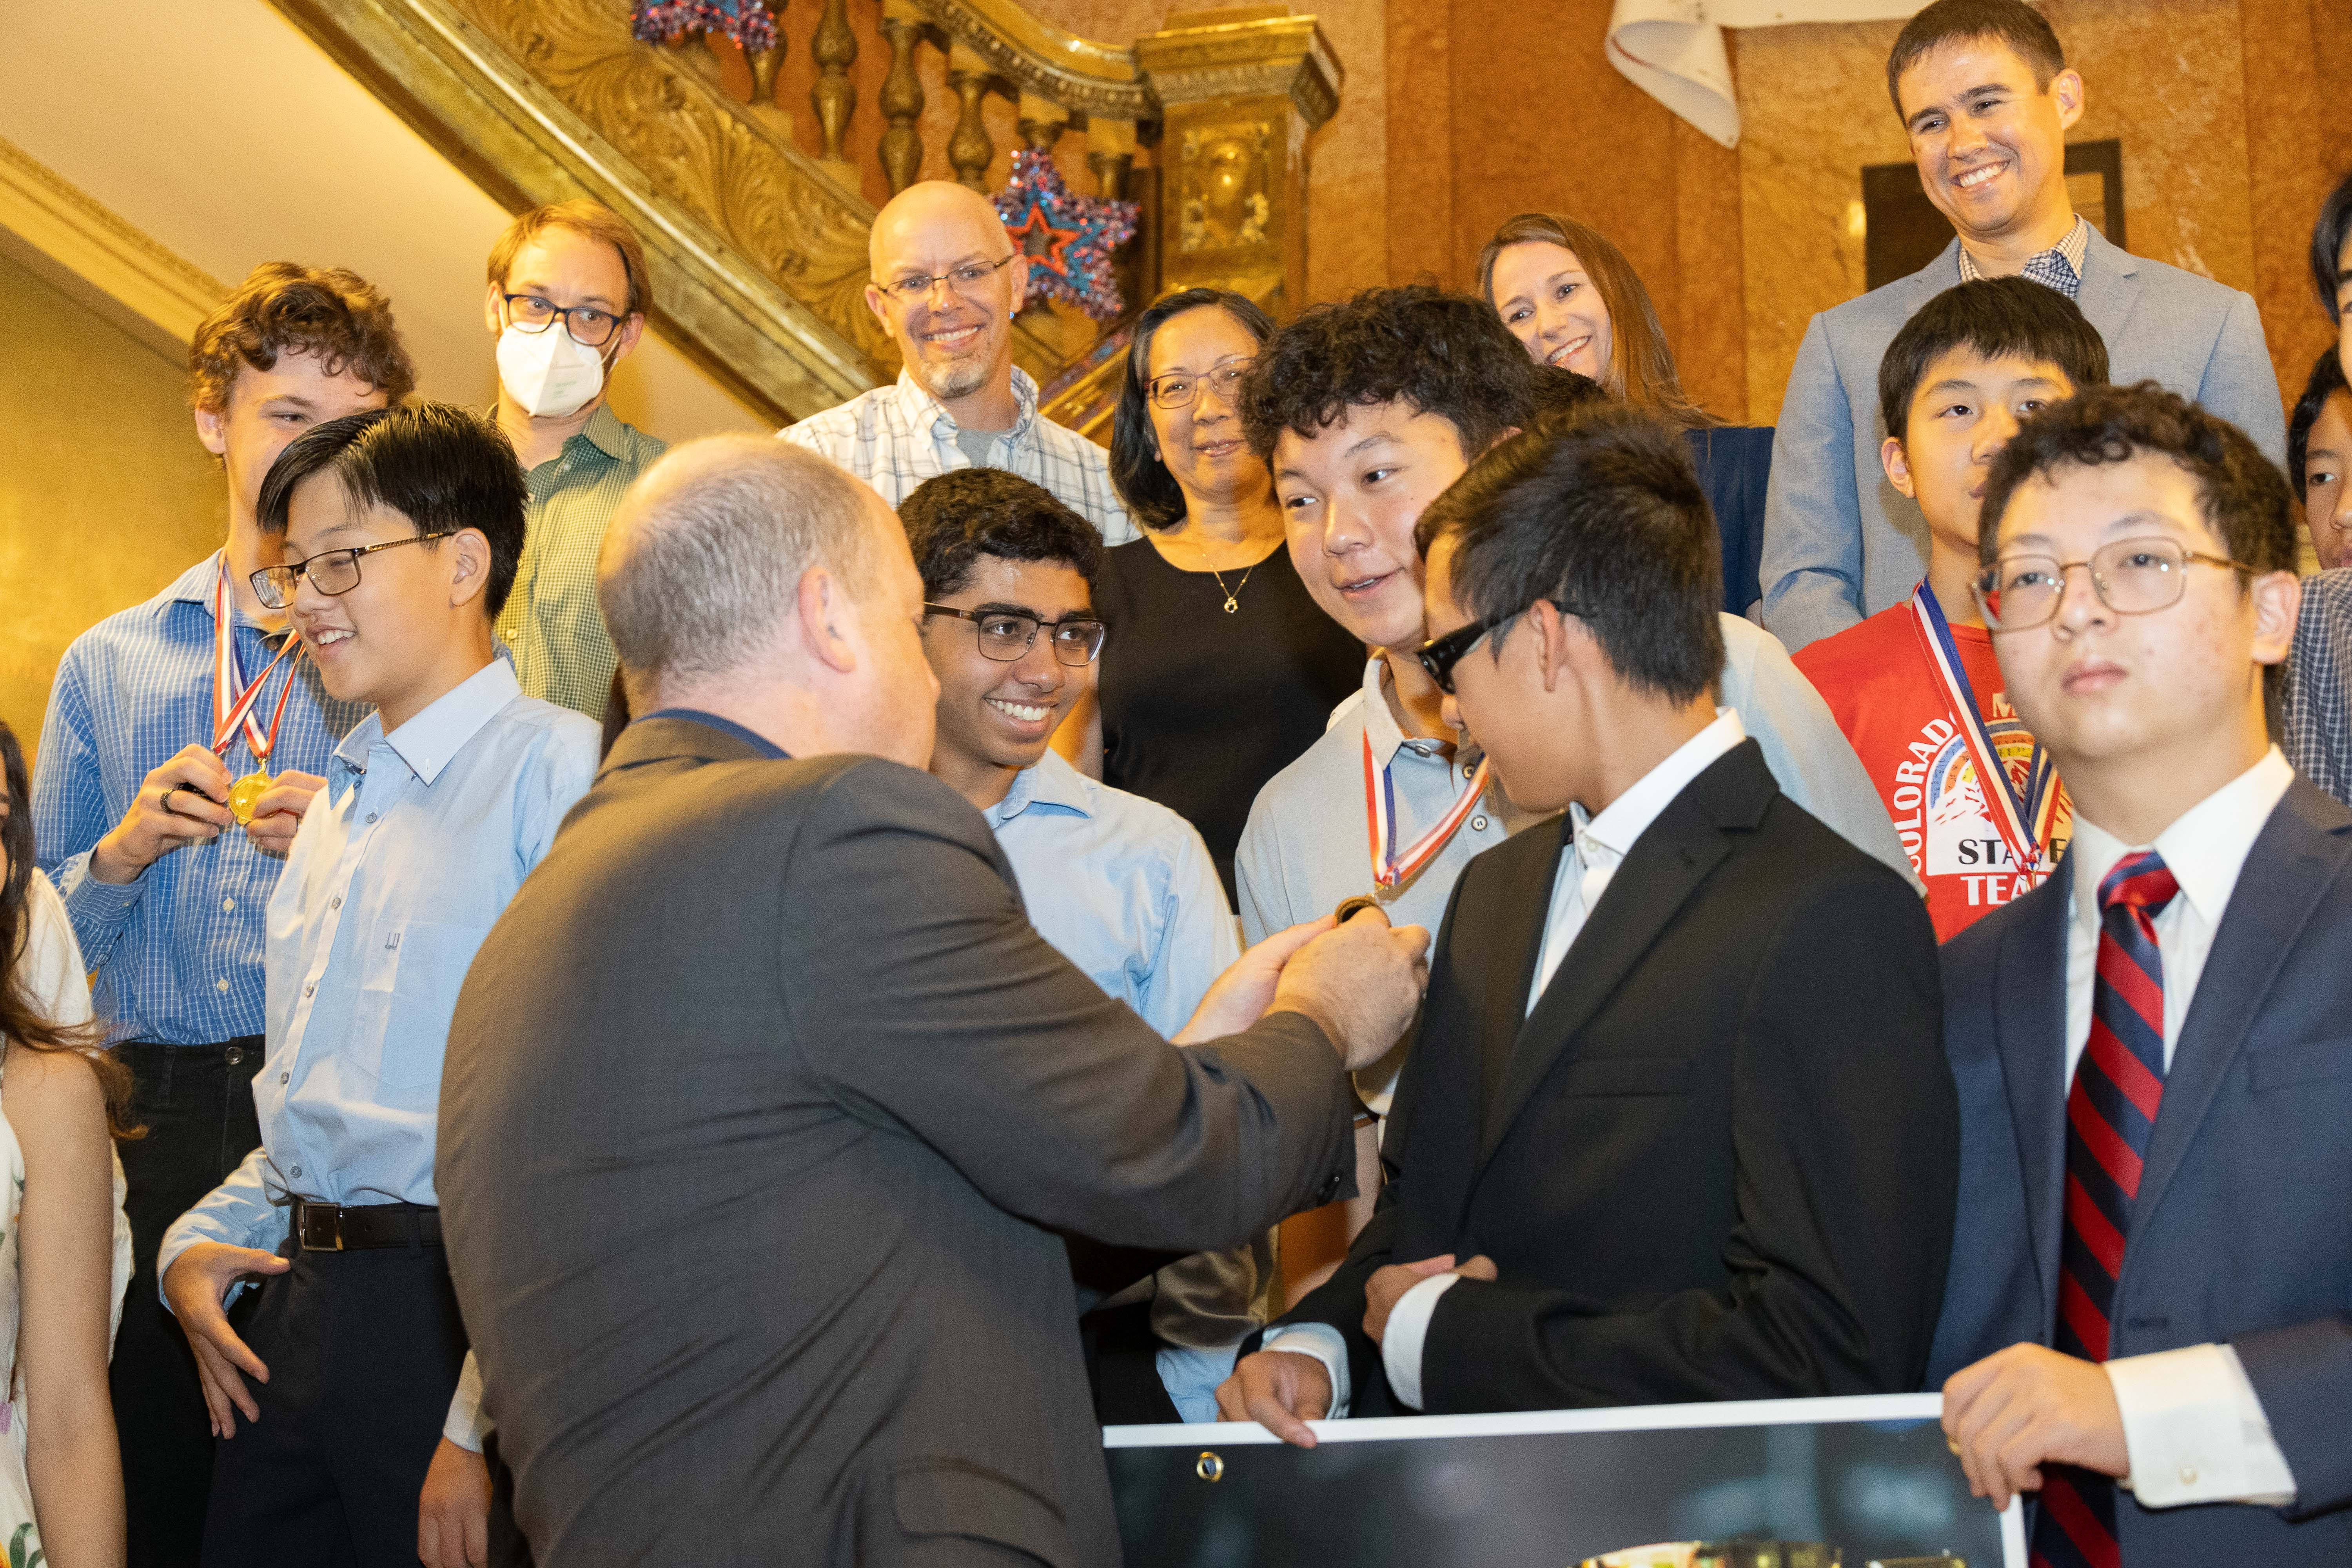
[243, 793]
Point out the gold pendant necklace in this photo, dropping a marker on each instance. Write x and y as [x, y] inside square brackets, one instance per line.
[1232, 595]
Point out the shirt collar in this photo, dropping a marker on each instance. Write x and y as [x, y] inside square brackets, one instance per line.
[2205, 847]
[924, 412]
[605, 432]
[1049, 781]
[427, 742]
[2070, 250]
[1386, 735]
[752, 738]
[1623, 820]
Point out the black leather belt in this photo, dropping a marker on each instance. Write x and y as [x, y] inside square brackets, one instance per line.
[333, 1227]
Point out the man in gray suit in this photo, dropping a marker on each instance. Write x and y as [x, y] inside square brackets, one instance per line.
[2149, 1304]
[766, 1111]
[1985, 95]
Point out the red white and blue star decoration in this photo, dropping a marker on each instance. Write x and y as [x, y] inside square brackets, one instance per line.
[747, 22]
[1067, 238]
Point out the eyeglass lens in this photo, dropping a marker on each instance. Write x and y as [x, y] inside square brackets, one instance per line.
[336, 572]
[1007, 637]
[590, 327]
[962, 279]
[1182, 391]
[2131, 577]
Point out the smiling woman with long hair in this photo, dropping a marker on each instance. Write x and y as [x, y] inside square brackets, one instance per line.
[1572, 299]
[65, 1246]
[1219, 670]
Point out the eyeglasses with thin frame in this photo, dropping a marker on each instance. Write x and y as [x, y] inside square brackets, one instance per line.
[1181, 389]
[589, 326]
[331, 572]
[962, 279]
[1005, 636]
[2131, 577]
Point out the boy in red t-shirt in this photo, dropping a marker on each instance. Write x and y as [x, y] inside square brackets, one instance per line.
[1916, 688]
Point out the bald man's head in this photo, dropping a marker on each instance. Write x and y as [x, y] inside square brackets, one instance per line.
[701, 566]
[956, 336]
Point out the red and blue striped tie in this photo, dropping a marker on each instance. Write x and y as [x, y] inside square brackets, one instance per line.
[2110, 1112]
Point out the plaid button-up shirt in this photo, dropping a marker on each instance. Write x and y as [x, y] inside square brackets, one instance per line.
[552, 623]
[2059, 267]
[894, 437]
[2317, 699]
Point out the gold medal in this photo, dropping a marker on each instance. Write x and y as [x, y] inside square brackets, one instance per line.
[243, 793]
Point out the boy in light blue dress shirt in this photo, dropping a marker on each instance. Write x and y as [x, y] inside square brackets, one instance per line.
[402, 531]
[1122, 886]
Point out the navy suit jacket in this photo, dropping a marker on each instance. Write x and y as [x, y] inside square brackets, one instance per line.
[2242, 1230]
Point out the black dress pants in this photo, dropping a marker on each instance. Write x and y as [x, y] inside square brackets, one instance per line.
[364, 1350]
[197, 1104]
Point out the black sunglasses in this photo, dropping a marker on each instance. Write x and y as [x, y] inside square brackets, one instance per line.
[1440, 655]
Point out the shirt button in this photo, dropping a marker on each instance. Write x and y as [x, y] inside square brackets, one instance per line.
[307, 989]
[298, 1170]
[1478, 825]
[222, 983]
[508, 634]
[2188, 1475]
[228, 903]
[370, 816]
[336, 902]
[286, 1077]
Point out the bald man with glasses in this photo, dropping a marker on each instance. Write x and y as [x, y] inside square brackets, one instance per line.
[946, 279]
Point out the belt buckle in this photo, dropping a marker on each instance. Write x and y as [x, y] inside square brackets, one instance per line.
[319, 1227]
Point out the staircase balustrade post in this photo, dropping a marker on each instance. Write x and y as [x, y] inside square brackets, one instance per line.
[969, 149]
[902, 96]
[834, 96]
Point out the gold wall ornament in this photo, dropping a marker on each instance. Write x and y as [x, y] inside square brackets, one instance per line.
[1239, 89]
[1226, 176]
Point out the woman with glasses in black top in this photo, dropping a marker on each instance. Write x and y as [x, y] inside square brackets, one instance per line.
[1219, 670]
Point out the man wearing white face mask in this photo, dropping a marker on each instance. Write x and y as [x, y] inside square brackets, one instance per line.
[568, 296]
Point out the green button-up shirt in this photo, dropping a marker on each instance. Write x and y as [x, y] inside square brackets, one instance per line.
[552, 622]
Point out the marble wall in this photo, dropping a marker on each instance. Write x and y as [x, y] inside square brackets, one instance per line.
[1458, 113]
[132, 508]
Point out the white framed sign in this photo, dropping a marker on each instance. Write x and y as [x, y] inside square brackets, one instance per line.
[1863, 1480]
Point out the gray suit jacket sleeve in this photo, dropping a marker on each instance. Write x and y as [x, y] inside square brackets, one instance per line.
[927, 1004]
[1813, 515]
[2239, 383]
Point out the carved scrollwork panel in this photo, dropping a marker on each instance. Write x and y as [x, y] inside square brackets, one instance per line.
[798, 227]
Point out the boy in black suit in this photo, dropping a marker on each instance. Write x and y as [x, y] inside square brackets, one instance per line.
[1676, 1125]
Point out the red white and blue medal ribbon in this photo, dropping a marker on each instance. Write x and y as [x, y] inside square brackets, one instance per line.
[233, 701]
[2022, 817]
[1390, 869]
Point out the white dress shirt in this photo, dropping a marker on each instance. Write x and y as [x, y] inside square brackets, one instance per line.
[2193, 1426]
[1588, 862]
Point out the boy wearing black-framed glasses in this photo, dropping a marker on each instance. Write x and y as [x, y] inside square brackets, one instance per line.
[567, 297]
[402, 530]
[1123, 887]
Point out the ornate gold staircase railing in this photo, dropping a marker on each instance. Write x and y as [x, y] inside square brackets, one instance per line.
[756, 218]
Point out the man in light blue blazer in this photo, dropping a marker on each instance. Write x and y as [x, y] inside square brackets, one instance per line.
[1987, 99]
[2148, 1317]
